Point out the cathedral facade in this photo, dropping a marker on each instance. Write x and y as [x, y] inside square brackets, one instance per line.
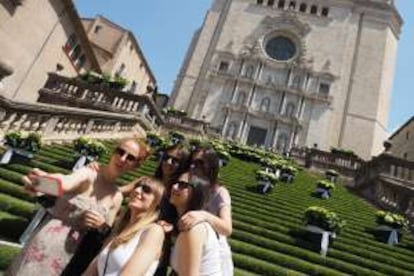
[279, 73]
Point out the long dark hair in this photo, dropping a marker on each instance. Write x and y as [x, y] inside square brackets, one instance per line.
[200, 192]
[182, 155]
[211, 164]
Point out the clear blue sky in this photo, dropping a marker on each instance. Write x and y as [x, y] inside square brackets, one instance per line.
[164, 29]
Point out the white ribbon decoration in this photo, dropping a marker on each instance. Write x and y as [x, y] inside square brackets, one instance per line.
[265, 184]
[325, 237]
[80, 163]
[40, 214]
[5, 159]
[393, 237]
[324, 192]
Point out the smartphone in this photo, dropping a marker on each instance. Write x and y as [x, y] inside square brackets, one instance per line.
[49, 185]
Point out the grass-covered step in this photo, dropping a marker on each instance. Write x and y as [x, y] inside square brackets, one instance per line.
[283, 260]
[12, 226]
[241, 272]
[11, 176]
[345, 262]
[15, 190]
[362, 238]
[7, 253]
[357, 255]
[260, 267]
[16, 206]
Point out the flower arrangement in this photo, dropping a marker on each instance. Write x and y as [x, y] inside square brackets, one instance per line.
[176, 137]
[31, 142]
[13, 139]
[325, 184]
[392, 220]
[324, 219]
[262, 175]
[89, 147]
[289, 169]
[155, 140]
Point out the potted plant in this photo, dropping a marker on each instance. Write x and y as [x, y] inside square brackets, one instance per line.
[25, 145]
[118, 83]
[176, 137]
[220, 148]
[288, 173]
[324, 188]
[266, 181]
[390, 227]
[87, 150]
[153, 139]
[321, 227]
[331, 175]
[13, 139]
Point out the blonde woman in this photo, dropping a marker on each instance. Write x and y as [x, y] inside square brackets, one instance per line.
[135, 246]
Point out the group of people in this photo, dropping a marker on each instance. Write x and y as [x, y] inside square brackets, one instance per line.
[174, 222]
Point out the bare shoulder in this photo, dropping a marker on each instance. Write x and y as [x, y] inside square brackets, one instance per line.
[154, 230]
[196, 231]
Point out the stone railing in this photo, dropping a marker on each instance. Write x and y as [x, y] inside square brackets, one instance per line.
[388, 166]
[388, 181]
[313, 158]
[185, 124]
[65, 123]
[76, 93]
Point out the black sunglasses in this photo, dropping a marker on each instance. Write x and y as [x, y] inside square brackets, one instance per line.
[194, 183]
[121, 152]
[183, 185]
[145, 188]
[170, 159]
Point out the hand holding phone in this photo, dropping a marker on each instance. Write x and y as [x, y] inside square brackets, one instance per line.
[48, 185]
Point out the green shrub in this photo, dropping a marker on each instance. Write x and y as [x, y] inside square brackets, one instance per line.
[27, 141]
[392, 220]
[323, 218]
[89, 147]
[325, 184]
[262, 175]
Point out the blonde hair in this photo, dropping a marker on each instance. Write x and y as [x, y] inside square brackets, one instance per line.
[123, 233]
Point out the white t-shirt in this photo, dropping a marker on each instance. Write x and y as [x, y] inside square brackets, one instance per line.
[210, 257]
[119, 256]
[218, 199]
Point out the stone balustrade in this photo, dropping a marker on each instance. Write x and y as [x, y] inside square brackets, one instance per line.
[389, 182]
[185, 124]
[346, 165]
[77, 93]
[65, 123]
[386, 165]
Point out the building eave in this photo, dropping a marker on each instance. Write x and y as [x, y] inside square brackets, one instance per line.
[83, 37]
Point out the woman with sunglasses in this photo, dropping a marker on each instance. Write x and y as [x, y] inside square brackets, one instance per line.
[196, 251]
[90, 200]
[217, 210]
[170, 160]
[136, 243]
